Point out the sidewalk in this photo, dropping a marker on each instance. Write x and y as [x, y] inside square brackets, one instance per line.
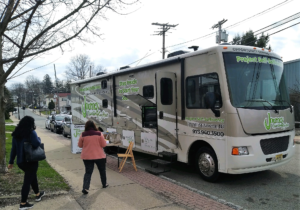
[127, 190]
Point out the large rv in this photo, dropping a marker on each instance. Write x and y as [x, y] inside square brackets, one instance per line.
[224, 109]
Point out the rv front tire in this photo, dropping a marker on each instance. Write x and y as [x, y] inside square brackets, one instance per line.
[207, 164]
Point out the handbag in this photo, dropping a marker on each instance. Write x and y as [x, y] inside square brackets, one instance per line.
[34, 154]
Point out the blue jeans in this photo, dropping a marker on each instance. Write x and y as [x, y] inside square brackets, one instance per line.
[89, 168]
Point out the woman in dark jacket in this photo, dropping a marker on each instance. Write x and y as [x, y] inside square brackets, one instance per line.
[25, 132]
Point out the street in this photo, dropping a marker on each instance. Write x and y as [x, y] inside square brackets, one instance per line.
[278, 188]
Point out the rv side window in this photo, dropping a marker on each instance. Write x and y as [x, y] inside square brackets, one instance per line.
[166, 91]
[198, 86]
[148, 91]
[103, 84]
[104, 103]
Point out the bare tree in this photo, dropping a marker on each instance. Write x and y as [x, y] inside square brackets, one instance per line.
[79, 67]
[33, 27]
[17, 89]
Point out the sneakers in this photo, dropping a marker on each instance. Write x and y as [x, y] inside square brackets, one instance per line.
[25, 206]
[85, 192]
[39, 198]
[105, 186]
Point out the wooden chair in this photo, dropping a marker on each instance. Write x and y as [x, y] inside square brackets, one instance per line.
[127, 154]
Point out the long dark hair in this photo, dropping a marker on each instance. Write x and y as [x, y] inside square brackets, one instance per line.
[90, 125]
[24, 128]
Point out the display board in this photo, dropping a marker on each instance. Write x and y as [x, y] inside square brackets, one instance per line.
[149, 142]
[128, 136]
[76, 131]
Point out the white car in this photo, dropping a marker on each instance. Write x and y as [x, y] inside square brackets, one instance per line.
[47, 122]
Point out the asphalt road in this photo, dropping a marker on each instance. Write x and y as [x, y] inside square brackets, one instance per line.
[274, 189]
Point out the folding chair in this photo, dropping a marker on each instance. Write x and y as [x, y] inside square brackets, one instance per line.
[127, 154]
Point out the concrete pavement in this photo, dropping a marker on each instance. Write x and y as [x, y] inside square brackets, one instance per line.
[127, 190]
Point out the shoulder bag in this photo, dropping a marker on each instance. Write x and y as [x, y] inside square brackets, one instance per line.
[34, 154]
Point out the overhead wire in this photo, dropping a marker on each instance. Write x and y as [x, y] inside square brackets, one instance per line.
[233, 25]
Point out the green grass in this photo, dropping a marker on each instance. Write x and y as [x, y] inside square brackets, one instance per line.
[48, 179]
[8, 121]
[10, 128]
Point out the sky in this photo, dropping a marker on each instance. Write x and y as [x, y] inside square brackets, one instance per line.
[128, 38]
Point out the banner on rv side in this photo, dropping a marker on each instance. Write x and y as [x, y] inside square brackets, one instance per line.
[148, 142]
[128, 136]
[76, 131]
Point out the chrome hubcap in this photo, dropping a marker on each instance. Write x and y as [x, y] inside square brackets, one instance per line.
[206, 164]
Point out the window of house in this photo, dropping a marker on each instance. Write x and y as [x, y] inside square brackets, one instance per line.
[148, 91]
[103, 84]
[104, 103]
[198, 86]
[166, 91]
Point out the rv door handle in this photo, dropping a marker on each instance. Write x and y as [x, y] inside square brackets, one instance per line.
[161, 115]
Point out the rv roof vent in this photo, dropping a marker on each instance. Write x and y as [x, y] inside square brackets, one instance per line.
[124, 67]
[177, 53]
[100, 73]
[225, 43]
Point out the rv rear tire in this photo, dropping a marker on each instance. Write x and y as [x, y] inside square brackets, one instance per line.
[207, 164]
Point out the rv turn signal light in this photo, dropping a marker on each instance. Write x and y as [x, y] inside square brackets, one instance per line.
[240, 151]
[224, 48]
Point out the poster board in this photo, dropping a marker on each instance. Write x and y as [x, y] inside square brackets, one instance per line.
[76, 131]
[149, 141]
[128, 136]
[111, 130]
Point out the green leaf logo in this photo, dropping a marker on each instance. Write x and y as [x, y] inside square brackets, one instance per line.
[267, 122]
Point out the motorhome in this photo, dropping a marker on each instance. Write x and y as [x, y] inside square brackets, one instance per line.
[224, 109]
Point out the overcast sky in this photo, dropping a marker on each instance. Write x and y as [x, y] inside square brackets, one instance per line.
[129, 38]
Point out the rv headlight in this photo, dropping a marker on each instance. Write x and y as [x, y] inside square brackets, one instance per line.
[240, 151]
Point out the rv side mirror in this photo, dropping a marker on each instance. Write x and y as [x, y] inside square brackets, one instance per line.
[210, 102]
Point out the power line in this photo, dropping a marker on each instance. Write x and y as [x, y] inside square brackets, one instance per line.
[283, 21]
[33, 69]
[233, 25]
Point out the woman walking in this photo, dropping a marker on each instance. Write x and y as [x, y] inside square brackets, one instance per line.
[25, 132]
[92, 142]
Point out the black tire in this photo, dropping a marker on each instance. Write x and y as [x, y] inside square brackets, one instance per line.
[55, 129]
[207, 164]
[64, 134]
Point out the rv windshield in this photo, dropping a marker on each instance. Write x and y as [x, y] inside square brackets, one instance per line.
[256, 81]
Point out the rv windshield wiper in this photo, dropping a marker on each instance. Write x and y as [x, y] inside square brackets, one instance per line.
[291, 109]
[263, 100]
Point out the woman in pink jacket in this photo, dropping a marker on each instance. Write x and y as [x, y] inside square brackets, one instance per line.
[92, 142]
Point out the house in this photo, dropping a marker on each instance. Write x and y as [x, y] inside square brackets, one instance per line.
[63, 102]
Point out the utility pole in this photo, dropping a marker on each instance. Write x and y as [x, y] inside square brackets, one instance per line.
[164, 29]
[219, 25]
[55, 76]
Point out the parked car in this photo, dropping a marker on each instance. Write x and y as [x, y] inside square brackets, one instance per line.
[47, 122]
[56, 123]
[66, 125]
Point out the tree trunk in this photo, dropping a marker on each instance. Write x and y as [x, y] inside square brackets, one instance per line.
[3, 168]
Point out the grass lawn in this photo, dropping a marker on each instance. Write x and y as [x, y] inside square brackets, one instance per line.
[10, 128]
[48, 179]
[8, 121]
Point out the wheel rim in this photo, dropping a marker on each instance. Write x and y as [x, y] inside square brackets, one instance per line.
[206, 164]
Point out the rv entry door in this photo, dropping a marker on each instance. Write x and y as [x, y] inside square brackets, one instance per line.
[166, 100]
